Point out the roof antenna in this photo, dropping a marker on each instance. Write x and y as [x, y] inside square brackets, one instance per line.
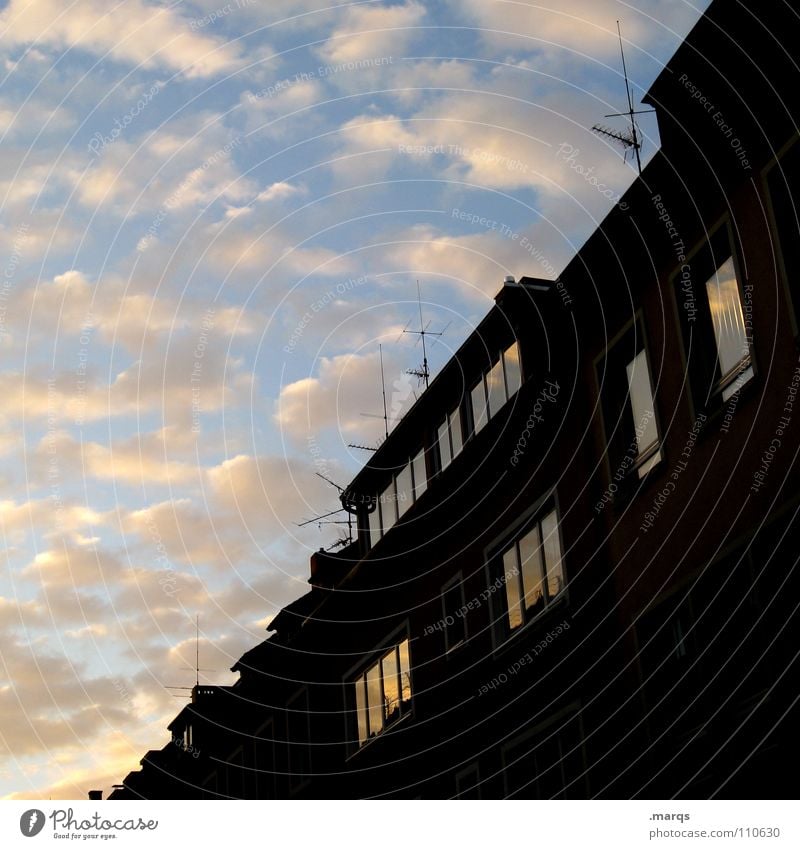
[630, 139]
[383, 389]
[385, 415]
[197, 670]
[326, 518]
[423, 372]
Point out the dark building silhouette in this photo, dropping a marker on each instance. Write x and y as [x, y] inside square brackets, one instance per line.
[575, 573]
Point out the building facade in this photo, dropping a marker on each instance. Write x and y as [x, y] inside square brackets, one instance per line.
[575, 569]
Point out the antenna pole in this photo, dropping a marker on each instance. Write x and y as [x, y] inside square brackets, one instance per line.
[425, 371]
[383, 388]
[631, 113]
[422, 373]
[197, 651]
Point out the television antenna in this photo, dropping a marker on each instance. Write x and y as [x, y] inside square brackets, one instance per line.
[385, 415]
[629, 139]
[196, 668]
[327, 518]
[423, 372]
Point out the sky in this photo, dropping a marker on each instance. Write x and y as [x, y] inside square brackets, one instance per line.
[213, 214]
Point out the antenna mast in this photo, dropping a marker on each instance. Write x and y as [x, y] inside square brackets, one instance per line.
[325, 518]
[197, 670]
[383, 389]
[422, 373]
[629, 140]
[385, 415]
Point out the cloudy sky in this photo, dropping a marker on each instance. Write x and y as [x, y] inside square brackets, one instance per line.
[211, 217]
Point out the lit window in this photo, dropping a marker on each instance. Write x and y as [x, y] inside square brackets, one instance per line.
[513, 369]
[388, 502]
[420, 474]
[445, 452]
[629, 413]
[495, 387]
[533, 569]
[450, 439]
[645, 428]
[383, 692]
[375, 532]
[733, 349]
[405, 488]
[479, 410]
[717, 321]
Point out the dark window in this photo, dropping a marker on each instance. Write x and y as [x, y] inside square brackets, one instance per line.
[468, 783]
[264, 761]
[455, 631]
[299, 740]
[236, 774]
[666, 645]
[548, 764]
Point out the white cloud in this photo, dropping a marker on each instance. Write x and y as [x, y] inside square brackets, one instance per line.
[133, 32]
[344, 389]
[585, 26]
[372, 31]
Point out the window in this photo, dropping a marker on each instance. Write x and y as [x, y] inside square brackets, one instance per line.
[666, 637]
[717, 322]
[468, 783]
[264, 761]
[236, 774]
[453, 611]
[640, 395]
[393, 503]
[629, 413]
[449, 438]
[548, 763]
[495, 387]
[783, 183]
[479, 408]
[420, 474]
[405, 490]
[385, 514]
[383, 692]
[733, 348]
[298, 736]
[533, 569]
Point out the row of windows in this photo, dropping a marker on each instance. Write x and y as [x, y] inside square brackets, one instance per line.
[403, 490]
[716, 322]
[531, 571]
[495, 387]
